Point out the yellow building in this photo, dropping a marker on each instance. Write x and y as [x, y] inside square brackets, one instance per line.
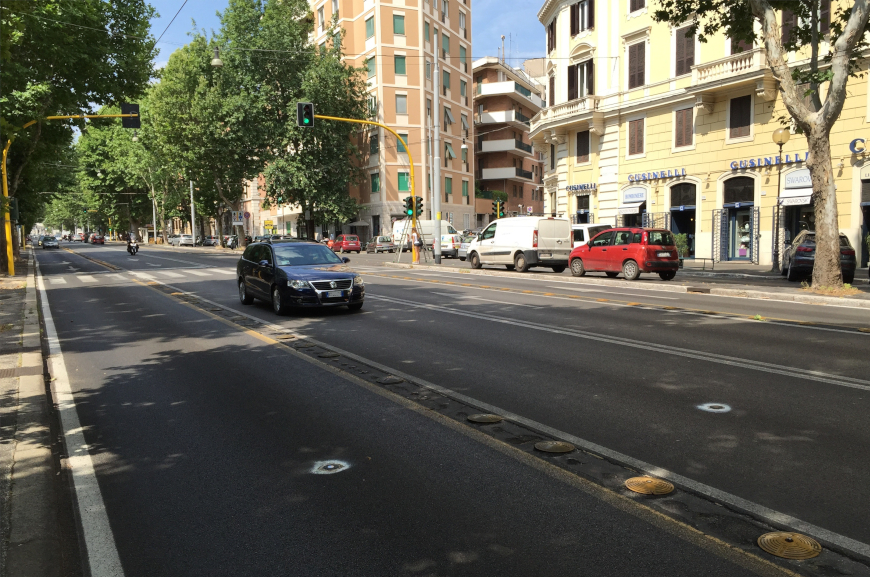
[644, 125]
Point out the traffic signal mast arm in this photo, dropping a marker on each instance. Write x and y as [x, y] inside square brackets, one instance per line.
[385, 127]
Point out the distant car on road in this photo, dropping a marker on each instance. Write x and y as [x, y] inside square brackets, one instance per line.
[381, 244]
[800, 256]
[347, 243]
[210, 241]
[184, 240]
[50, 242]
[629, 251]
[450, 244]
[78, 237]
[98, 239]
[462, 253]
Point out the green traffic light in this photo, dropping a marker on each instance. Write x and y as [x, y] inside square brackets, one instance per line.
[307, 121]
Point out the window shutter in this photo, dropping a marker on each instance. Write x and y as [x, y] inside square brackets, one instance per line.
[590, 77]
[555, 27]
[583, 146]
[552, 94]
[865, 191]
[632, 137]
[688, 51]
[575, 19]
[678, 130]
[590, 17]
[741, 111]
[639, 136]
[789, 21]
[825, 16]
[681, 52]
[641, 63]
[572, 82]
[632, 66]
[689, 126]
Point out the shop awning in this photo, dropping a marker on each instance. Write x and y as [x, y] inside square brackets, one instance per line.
[358, 223]
[795, 201]
[630, 208]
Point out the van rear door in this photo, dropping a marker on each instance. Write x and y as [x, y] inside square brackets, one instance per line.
[554, 238]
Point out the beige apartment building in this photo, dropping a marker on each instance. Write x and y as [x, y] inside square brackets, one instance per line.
[395, 42]
[505, 99]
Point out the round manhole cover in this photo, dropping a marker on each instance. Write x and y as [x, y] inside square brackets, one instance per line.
[484, 418]
[790, 545]
[715, 407]
[390, 380]
[329, 467]
[328, 355]
[649, 486]
[554, 447]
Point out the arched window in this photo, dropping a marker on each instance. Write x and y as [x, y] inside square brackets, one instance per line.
[683, 194]
[739, 189]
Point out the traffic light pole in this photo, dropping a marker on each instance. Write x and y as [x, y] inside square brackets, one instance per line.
[8, 216]
[407, 149]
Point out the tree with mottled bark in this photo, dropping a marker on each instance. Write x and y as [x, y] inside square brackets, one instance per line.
[819, 48]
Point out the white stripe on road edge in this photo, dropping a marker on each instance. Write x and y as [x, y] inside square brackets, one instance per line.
[780, 520]
[99, 541]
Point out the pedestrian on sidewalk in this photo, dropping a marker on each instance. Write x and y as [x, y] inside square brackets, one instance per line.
[416, 243]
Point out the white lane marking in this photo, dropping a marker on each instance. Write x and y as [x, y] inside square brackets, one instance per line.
[805, 374]
[144, 275]
[86, 278]
[223, 270]
[771, 515]
[198, 272]
[467, 297]
[166, 273]
[610, 292]
[152, 264]
[102, 553]
[57, 280]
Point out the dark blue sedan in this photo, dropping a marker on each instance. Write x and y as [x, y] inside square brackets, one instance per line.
[296, 274]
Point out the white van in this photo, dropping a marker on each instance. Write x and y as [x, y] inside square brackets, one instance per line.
[402, 232]
[522, 242]
[583, 232]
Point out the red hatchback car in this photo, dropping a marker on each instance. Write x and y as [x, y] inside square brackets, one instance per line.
[98, 239]
[347, 243]
[630, 251]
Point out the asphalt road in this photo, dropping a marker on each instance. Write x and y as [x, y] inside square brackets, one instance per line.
[184, 413]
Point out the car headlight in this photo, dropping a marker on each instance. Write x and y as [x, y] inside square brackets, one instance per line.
[358, 281]
[297, 284]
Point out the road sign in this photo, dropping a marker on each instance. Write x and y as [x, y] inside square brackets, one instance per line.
[268, 223]
[529, 209]
[247, 214]
[237, 218]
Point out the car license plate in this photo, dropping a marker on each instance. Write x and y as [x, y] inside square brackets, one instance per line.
[333, 294]
[663, 254]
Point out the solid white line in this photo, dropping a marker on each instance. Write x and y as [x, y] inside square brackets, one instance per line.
[102, 553]
[86, 278]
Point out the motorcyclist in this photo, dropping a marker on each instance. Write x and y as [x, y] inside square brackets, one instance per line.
[130, 241]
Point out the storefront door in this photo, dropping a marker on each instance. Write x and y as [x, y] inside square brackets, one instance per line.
[740, 234]
[635, 219]
[683, 222]
[582, 217]
[798, 218]
[865, 233]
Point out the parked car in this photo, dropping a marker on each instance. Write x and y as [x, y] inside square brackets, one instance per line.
[184, 240]
[581, 233]
[297, 274]
[522, 242]
[630, 251]
[172, 239]
[40, 239]
[262, 238]
[50, 242]
[347, 243]
[450, 244]
[462, 253]
[800, 256]
[98, 239]
[78, 237]
[381, 244]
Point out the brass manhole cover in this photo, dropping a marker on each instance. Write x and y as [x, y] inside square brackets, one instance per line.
[285, 337]
[790, 545]
[554, 447]
[649, 486]
[484, 418]
[390, 380]
[328, 355]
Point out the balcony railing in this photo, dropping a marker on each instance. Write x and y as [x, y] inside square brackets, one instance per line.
[524, 173]
[521, 117]
[503, 145]
[509, 87]
[523, 146]
[750, 61]
[567, 109]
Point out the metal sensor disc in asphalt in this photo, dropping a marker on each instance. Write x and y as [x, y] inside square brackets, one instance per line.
[649, 486]
[714, 407]
[391, 380]
[790, 545]
[554, 446]
[484, 418]
[329, 467]
[328, 355]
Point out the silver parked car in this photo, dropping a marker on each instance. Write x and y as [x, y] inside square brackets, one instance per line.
[462, 253]
[182, 240]
[381, 244]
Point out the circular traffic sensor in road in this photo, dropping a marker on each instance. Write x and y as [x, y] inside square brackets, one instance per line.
[329, 467]
[714, 407]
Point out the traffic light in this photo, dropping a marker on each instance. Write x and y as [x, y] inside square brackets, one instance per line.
[418, 206]
[305, 114]
[133, 121]
[495, 208]
[501, 209]
[409, 206]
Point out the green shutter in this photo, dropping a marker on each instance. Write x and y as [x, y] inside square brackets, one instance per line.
[462, 55]
[464, 187]
[426, 31]
[399, 146]
[398, 24]
[371, 66]
[445, 81]
[376, 182]
[462, 85]
[448, 185]
[370, 27]
[404, 182]
[400, 64]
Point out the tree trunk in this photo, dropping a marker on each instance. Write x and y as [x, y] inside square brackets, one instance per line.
[827, 270]
[219, 221]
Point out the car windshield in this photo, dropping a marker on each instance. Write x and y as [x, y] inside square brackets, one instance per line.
[661, 237]
[385, 239]
[305, 254]
[48, 238]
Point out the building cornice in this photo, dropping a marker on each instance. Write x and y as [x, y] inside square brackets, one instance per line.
[544, 14]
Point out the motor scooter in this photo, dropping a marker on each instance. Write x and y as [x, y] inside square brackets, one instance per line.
[132, 247]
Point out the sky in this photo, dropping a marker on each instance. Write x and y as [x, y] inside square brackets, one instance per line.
[516, 19]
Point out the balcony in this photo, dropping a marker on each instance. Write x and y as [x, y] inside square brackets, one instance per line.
[566, 110]
[513, 89]
[511, 117]
[506, 173]
[730, 67]
[506, 145]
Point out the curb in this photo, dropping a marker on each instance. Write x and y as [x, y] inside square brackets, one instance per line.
[664, 287]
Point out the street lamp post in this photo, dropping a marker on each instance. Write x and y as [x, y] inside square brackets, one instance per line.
[780, 137]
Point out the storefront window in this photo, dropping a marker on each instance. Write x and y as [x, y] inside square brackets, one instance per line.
[683, 215]
[739, 196]
[739, 189]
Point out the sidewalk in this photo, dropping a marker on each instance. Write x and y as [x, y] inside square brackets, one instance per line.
[707, 268]
[31, 531]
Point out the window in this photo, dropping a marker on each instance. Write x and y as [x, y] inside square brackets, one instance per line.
[552, 157]
[581, 80]
[465, 188]
[489, 232]
[426, 31]
[635, 5]
[741, 116]
[463, 59]
[445, 82]
[401, 104]
[463, 89]
[789, 23]
[464, 154]
[373, 143]
[825, 16]
[429, 107]
[462, 20]
[637, 65]
[583, 146]
[399, 64]
[635, 136]
[398, 24]
[602, 239]
[685, 51]
[464, 120]
[448, 186]
[399, 146]
[683, 127]
[449, 153]
[448, 118]
[335, 8]
[336, 39]
[739, 189]
[404, 182]
[320, 18]
[582, 16]
[373, 105]
[370, 27]
[322, 47]
[428, 70]
[370, 64]
[738, 46]
[683, 195]
[376, 181]
[551, 35]
[552, 92]
[445, 46]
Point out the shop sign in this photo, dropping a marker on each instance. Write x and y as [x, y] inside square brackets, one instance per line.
[795, 201]
[589, 187]
[858, 146]
[633, 194]
[673, 173]
[629, 210]
[768, 161]
[799, 179]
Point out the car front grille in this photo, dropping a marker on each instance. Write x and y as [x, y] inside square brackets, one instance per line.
[326, 285]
